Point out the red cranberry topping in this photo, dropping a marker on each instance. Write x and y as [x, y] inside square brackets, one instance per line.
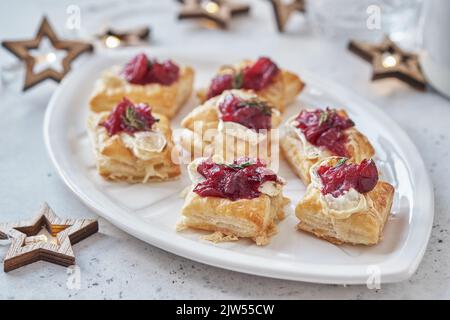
[260, 74]
[219, 84]
[129, 118]
[135, 70]
[141, 70]
[255, 77]
[340, 178]
[253, 114]
[325, 128]
[239, 180]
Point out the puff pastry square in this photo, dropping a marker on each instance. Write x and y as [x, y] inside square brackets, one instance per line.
[116, 160]
[295, 151]
[207, 136]
[164, 99]
[237, 209]
[280, 93]
[245, 218]
[353, 217]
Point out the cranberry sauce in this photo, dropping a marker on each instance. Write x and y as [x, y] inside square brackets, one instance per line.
[129, 118]
[141, 70]
[325, 128]
[337, 180]
[253, 114]
[256, 77]
[260, 74]
[239, 180]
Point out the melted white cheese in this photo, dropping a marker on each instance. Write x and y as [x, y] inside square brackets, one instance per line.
[346, 204]
[241, 132]
[144, 144]
[309, 150]
[342, 206]
[193, 173]
[241, 94]
[271, 188]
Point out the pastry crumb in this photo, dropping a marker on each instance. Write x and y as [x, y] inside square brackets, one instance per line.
[180, 226]
[218, 236]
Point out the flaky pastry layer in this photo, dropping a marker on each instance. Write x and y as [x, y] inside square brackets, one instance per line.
[364, 227]
[245, 218]
[116, 161]
[110, 89]
[358, 147]
[280, 93]
[204, 139]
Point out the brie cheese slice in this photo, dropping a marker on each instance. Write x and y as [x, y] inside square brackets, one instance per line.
[144, 144]
[342, 206]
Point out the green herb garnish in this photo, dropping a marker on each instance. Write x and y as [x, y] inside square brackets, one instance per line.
[238, 166]
[261, 105]
[238, 80]
[341, 162]
[132, 120]
[323, 117]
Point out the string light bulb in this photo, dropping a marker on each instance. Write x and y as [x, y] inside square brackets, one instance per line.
[112, 42]
[389, 61]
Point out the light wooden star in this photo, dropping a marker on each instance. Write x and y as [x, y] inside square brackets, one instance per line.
[29, 244]
[390, 61]
[21, 49]
[217, 11]
[283, 11]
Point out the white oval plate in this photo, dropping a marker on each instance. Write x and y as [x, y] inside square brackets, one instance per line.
[151, 211]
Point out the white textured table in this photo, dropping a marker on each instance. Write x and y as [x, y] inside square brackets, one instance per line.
[116, 265]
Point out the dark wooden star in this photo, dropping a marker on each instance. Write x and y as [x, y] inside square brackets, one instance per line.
[217, 11]
[21, 49]
[390, 61]
[236, 8]
[283, 11]
[132, 37]
[26, 247]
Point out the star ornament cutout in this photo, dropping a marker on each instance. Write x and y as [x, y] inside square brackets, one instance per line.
[283, 11]
[21, 49]
[219, 12]
[390, 61]
[46, 237]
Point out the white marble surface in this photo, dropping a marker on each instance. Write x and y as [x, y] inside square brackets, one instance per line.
[115, 265]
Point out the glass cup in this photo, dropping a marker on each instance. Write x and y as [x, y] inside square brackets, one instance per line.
[366, 19]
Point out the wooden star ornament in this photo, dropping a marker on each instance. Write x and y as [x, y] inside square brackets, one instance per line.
[21, 49]
[283, 11]
[46, 237]
[218, 12]
[390, 61]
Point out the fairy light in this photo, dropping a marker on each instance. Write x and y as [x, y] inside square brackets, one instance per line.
[51, 57]
[389, 61]
[211, 7]
[112, 42]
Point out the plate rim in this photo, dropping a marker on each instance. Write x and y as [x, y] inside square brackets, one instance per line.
[354, 274]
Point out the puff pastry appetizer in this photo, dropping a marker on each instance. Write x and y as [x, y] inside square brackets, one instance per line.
[163, 85]
[236, 123]
[345, 202]
[133, 144]
[278, 87]
[314, 135]
[242, 199]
